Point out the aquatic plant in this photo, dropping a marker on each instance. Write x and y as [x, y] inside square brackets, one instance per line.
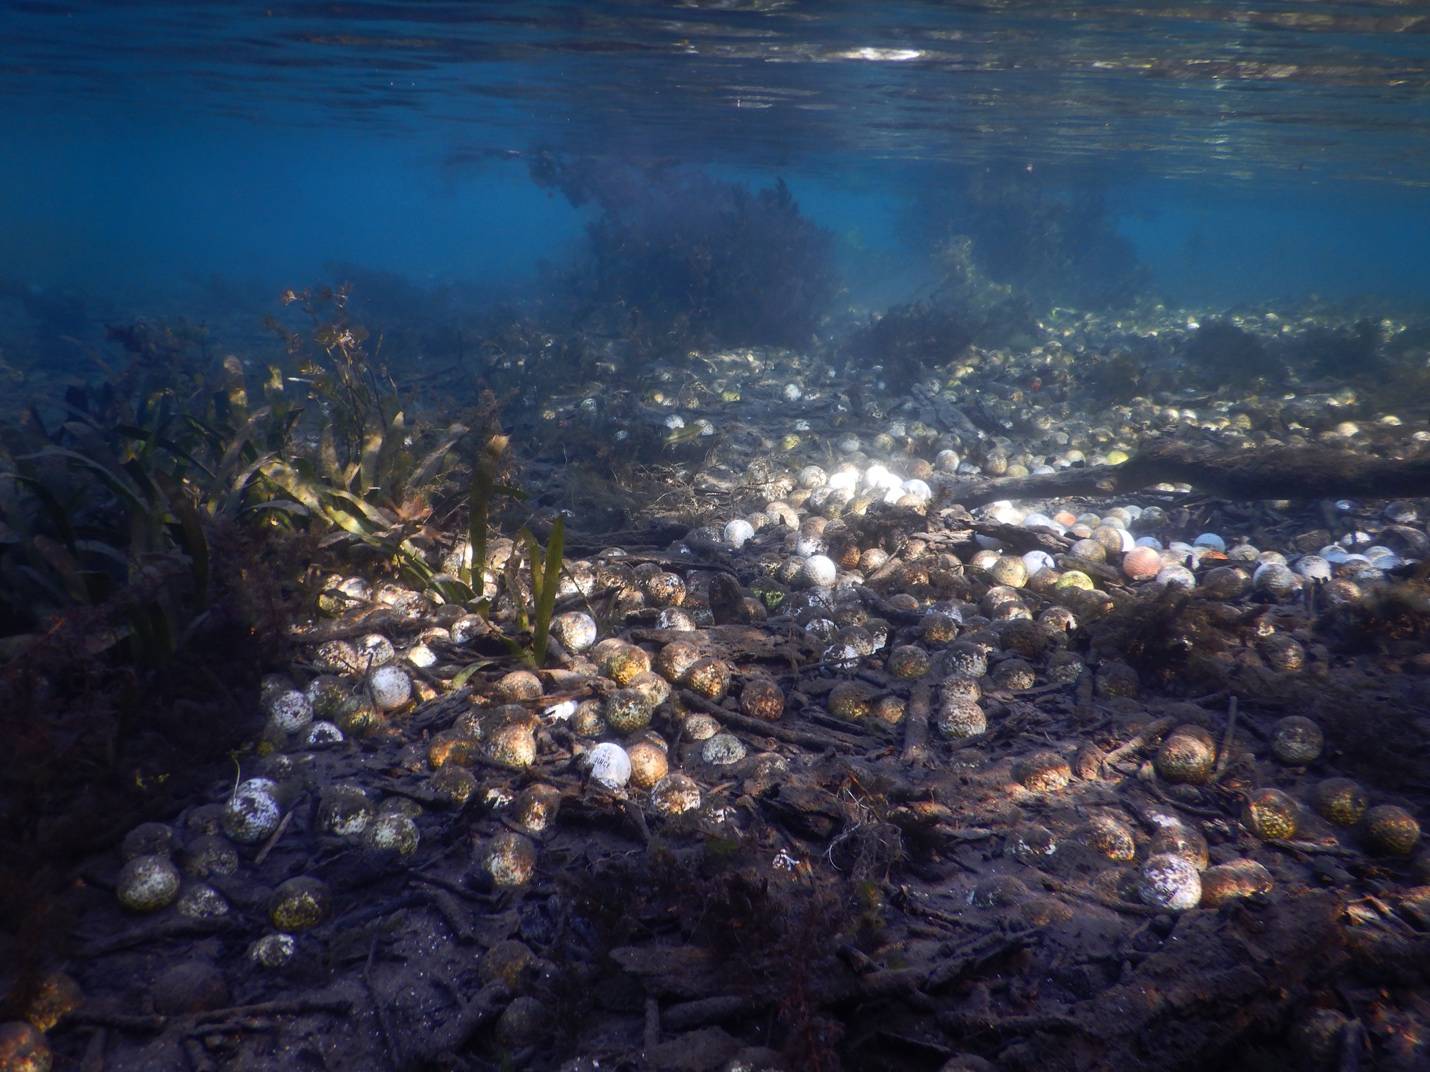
[1218, 352]
[1053, 246]
[1340, 353]
[676, 257]
[545, 577]
[909, 341]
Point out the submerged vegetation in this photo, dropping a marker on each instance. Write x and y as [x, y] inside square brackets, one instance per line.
[159, 533]
[676, 258]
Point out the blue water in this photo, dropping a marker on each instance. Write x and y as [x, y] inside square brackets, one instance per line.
[1252, 153]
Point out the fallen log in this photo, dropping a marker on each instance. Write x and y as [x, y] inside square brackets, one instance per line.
[1227, 472]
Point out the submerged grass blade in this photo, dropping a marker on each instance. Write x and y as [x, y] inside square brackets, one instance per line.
[550, 582]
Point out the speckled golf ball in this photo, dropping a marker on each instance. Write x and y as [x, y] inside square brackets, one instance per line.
[147, 883]
[390, 687]
[818, 571]
[273, 951]
[290, 711]
[1169, 882]
[201, 901]
[253, 812]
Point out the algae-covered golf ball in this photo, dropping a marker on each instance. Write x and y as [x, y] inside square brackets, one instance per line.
[1043, 772]
[627, 710]
[1014, 675]
[1187, 755]
[299, 904]
[322, 734]
[1179, 839]
[391, 833]
[649, 763]
[673, 660]
[624, 662]
[253, 813]
[1340, 800]
[762, 698]
[147, 839]
[208, 855]
[1111, 837]
[390, 686]
[722, 750]
[849, 700]
[201, 901]
[675, 794]
[290, 711]
[1296, 741]
[1234, 880]
[1275, 580]
[609, 764]
[344, 811]
[452, 785]
[148, 883]
[738, 532]
[1169, 882]
[55, 996]
[960, 718]
[273, 951]
[1009, 570]
[1272, 815]
[510, 859]
[535, 807]
[512, 744]
[24, 1049]
[908, 661]
[709, 678]
[1392, 830]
